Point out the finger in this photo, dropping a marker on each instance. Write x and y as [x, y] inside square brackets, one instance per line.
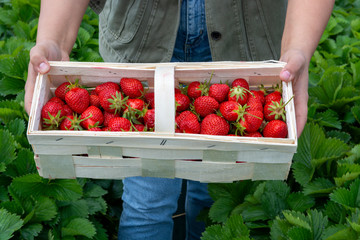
[39, 59]
[301, 111]
[29, 88]
[295, 63]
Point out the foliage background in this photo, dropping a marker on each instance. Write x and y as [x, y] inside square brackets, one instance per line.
[319, 200]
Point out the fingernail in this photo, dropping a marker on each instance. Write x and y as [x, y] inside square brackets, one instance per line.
[43, 67]
[285, 75]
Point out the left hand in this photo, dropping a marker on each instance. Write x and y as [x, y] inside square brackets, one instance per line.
[296, 71]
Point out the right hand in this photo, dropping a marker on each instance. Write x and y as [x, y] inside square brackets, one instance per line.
[40, 54]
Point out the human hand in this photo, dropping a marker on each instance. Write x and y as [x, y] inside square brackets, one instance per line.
[40, 54]
[297, 71]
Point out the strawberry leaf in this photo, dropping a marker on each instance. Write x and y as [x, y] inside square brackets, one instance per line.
[79, 227]
[319, 186]
[329, 118]
[299, 202]
[349, 198]
[30, 231]
[299, 233]
[339, 231]
[9, 223]
[7, 149]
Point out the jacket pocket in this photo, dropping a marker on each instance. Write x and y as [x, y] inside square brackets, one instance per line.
[121, 19]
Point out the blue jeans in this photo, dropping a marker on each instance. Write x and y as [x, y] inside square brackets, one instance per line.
[149, 203]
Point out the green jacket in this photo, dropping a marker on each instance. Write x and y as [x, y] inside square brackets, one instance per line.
[145, 30]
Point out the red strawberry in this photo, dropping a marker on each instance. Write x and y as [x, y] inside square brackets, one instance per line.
[251, 121]
[275, 129]
[131, 87]
[182, 102]
[52, 115]
[56, 99]
[95, 129]
[78, 99]
[71, 122]
[177, 90]
[106, 85]
[219, 91]
[95, 100]
[240, 82]
[238, 94]
[275, 110]
[119, 124]
[231, 110]
[274, 96]
[108, 116]
[61, 90]
[188, 123]
[254, 103]
[138, 128]
[253, 134]
[205, 105]
[134, 109]
[67, 110]
[149, 118]
[150, 99]
[92, 117]
[180, 117]
[196, 89]
[112, 100]
[259, 95]
[214, 125]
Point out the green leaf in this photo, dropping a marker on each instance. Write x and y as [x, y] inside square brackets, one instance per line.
[11, 86]
[101, 233]
[254, 213]
[22, 29]
[82, 37]
[7, 149]
[299, 202]
[74, 209]
[347, 172]
[34, 185]
[221, 209]
[31, 231]
[356, 112]
[349, 198]
[279, 229]
[45, 210]
[318, 223]
[15, 67]
[297, 219]
[342, 136]
[321, 186]
[335, 212]
[9, 223]
[23, 164]
[273, 204]
[93, 190]
[96, 205]
[79, 227]
[329, 118]
[16, 127]
[299, 233]
[337, 232]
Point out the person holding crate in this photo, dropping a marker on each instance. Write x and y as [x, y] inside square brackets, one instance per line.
[188, 30]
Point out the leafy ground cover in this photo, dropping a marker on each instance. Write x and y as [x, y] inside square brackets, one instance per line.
[319, 200]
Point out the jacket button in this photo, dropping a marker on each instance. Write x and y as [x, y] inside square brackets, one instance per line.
[215, 35]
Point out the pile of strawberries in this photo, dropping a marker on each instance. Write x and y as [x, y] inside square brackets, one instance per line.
[201, 108]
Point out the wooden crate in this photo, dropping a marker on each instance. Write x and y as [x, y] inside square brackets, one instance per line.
[163, 153]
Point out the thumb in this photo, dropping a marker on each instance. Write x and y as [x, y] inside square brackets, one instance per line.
[295, 63]
[38, 59]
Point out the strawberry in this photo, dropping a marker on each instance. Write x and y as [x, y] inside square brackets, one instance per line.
[134, 110]
[213, 124]
[274, 96]
[182, 102]
[92, 117]
[138, 128]
[78, 99]
[52, 115]
[196, 89]
[205, 105]
[119, 124]
[150, 99]
[219, 91]
[259, 95]
[253, 134]
[231, 110]
[61, 90]
[253, 103]
[56, 99]
[275, 110]
[106, 85]
[94, 100]
[131, 87]
[149, 118]
[71, 122]
[275, 129]
[177, 91]
[238, 94]
[251, 121]
[112, 100]
[188, 122]
[67, 110]
[95, 129]
[240, 82]
[108, 116]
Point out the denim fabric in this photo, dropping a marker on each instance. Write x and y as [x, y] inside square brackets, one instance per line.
[149, 203]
